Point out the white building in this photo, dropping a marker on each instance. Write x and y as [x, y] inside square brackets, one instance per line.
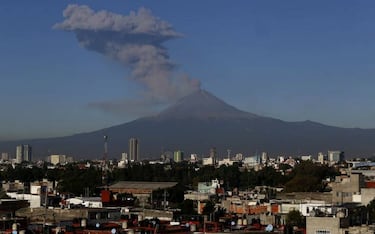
[208, 161]
[251, 161]
[321, 158]
[89, 202]
[57, 159]
[306, 157]
[264, 158]
[124, 156]
[193, 158]
[226, 161]
[33, 199]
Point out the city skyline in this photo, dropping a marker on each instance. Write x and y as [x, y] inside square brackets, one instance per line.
[289, 60]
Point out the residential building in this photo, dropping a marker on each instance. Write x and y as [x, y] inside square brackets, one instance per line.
[306, 158]
[23, 153]
[335, 156]
[209, 187]
[321, 158]
[326, 225]
[124, 156]
[27, 153]
[193, 158]
[265, 158]
[208, 161]
[345, 186]
[19, 153]
[5, 156]
[225, 161]
[251, 161]
[58, 159]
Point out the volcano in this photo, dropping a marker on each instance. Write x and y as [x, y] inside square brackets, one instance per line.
[201, 121]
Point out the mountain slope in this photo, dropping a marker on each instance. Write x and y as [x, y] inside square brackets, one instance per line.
[202, 105]
[200, 121]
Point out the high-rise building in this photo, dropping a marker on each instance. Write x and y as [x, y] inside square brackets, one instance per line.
[23, 153]
[265, 158]
[27, 153]
[178, 156]
[335, 156]
[19, 153]
[134, 149]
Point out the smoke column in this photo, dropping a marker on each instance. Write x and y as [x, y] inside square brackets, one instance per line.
[136, 41]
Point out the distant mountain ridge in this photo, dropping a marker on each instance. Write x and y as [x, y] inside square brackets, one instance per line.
[200, 121]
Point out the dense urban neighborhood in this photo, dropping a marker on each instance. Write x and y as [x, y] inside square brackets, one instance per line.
[306, 194]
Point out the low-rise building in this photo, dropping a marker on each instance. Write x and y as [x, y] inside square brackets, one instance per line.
[326, 225]
[345, 186]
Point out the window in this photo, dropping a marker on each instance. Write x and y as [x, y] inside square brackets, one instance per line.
[322, 232]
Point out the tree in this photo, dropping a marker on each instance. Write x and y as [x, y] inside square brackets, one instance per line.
[371, 211]
[308, 177]
[295, 218]
[209, 208]
[77, 181]
[187, 207]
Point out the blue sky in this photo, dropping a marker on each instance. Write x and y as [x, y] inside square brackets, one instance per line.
[292, 60]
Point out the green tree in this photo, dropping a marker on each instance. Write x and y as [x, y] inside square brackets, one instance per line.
[209, 208]
[371, 211]
[308, 177]
[187, 207]
[295, 218]
[76, 181]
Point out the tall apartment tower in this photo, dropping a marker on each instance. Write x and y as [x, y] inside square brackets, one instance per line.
[178, 156]
[27, 153]
[19, 153]
[23, 153]
[133, 149]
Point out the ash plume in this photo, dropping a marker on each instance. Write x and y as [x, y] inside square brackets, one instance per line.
[136, 41]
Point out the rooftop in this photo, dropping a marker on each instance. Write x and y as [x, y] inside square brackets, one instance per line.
[142, 185]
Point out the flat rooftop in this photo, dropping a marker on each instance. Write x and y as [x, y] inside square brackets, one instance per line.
[141, 185]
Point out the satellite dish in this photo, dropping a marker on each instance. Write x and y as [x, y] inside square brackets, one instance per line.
[269, 228]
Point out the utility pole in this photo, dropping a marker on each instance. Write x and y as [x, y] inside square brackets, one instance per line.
[45, 207]
[165, 199]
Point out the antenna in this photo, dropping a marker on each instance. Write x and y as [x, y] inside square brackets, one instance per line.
[229, 151]
[105, 148]
[104, 167]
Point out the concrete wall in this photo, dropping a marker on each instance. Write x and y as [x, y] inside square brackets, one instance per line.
[327, 225]
[367, 195]
[34, 200]
[344, 188]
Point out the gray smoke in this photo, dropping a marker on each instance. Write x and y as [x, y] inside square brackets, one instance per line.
[136, 41]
